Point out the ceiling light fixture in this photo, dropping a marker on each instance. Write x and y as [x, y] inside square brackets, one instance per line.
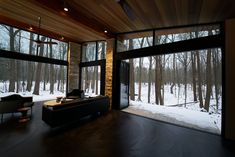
[105, 31]
[65, 7]
[30, 28]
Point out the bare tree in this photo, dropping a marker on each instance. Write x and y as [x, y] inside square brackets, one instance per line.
[141, 42]
[208, 81]
[149, 78]
[149, 73]
[193, 59]
[96, 79]
[158, 80]
[174, 74]
[52, 71]
[140, 78]
[18, 67]
[30, 72]
[45, 74]
[12, 34]
[199, 79]
[216, 80]
[39, 69]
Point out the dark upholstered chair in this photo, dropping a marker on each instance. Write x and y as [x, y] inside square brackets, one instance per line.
[12, 103]
[75, 93]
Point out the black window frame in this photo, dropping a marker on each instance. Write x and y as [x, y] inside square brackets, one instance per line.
[96, 62]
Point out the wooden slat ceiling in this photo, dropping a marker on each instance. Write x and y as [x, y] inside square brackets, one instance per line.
[87, 19]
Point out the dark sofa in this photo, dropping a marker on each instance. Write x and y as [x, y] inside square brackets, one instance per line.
[71, 111]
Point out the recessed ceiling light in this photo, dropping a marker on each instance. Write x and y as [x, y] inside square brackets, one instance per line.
[105, 31]
[66, 9]
[30, 28]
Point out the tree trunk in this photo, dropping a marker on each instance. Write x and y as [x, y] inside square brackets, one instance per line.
[156, 80]
[86, 79]
[96, 80]
[58, 79]
[173, 83]
[18, 69]
[208, 81]
[185, 78]
[140, 70]
[12, 62]
[93, 80]
[149, 79]
[38, 70]
[140, 78]
[199, 80]
[52, 72]
[194, 76]
[62, 79]
[30, 72]
[216, 82]
[161, 85]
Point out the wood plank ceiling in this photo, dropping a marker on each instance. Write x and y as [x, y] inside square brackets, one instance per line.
[86, 20]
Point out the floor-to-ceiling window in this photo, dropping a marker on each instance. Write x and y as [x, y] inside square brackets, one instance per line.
[92, 68]
[185, 87]
[29, 67]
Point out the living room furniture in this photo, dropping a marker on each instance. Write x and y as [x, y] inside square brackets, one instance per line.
[24, 117]
[11, 104]
[75, 93]
[58, 114]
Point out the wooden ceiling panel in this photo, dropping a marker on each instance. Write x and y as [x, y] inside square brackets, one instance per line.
[87, 19]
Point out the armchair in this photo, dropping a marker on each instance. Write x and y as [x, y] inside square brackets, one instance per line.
[75, 93]
[12, 103]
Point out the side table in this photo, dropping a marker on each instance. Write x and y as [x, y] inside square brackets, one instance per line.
[24, 117]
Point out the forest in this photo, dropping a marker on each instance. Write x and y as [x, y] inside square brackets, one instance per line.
[27, 76]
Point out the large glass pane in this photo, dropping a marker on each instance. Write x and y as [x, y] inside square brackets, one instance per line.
[90, 81]
[89, 52]
[173, 35]
[40, 80]
[133, 41]
[102, 50]
[16, 40]
[182, 88]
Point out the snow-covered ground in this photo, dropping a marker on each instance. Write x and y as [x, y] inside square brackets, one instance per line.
[43, 95]
[190, 116]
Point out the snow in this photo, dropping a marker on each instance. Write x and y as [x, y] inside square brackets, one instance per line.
[190, 115]
[178, 115]
[43, 94]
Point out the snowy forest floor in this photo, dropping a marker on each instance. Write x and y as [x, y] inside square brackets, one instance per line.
[44, 95]
[190, 116]
[178, 115]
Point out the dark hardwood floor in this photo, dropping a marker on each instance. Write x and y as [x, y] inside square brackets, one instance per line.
[114, 134]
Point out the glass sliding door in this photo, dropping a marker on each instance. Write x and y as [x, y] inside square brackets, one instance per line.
[182, 88]
[124, 84]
